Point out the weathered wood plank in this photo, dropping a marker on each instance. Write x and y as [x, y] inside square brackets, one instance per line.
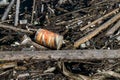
[75, 55]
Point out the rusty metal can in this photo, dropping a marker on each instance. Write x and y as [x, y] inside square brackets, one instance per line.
[49, 39]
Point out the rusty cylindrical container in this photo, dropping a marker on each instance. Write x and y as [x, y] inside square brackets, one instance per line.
[49, 39]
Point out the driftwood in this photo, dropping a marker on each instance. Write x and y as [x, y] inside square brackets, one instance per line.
[96, 31]
[113, 29]
[15, 29]
[64, 55]
[7, 10]
[100, 19]
[17, 13]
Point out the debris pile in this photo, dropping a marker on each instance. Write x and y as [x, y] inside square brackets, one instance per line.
[83, 24]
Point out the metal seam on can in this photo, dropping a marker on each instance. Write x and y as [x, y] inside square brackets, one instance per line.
[59, 42]
[36, 35]
[55, 41]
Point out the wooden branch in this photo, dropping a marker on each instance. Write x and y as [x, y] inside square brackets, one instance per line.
[100, 19]
[7, 10]
[6, 21]
[33, 11]
[8, 65]
[72, 12]
[96, 31]
[71, 75]
[17, 13]
[86, 8]
[111, 73]
[64, 55]
[15, 29]
[113, 29]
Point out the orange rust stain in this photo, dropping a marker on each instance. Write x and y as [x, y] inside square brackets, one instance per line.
[47, 38]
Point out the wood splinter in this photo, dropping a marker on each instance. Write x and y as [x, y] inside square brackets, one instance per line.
[96, 31]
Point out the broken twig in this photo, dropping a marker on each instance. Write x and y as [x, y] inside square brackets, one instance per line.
[96, 31]
[71, 75]
[17, 13]
[109, 73]
[15, 29]
[8, 65]
[33, 10]
[100, 19]
[7, 10]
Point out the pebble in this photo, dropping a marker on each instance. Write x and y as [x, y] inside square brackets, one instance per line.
[92, 26]
[80, 22]
[83, 45]
[23, 22]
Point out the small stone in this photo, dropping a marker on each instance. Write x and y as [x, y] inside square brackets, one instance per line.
[80, 22]
[32, 48]
[108, 48]
[99, 71]
[23, 21]
[66, 27]
[34, 12]
[35, 23]
[9, 16]
[83, 45]
[92, 26]
[89, 22]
